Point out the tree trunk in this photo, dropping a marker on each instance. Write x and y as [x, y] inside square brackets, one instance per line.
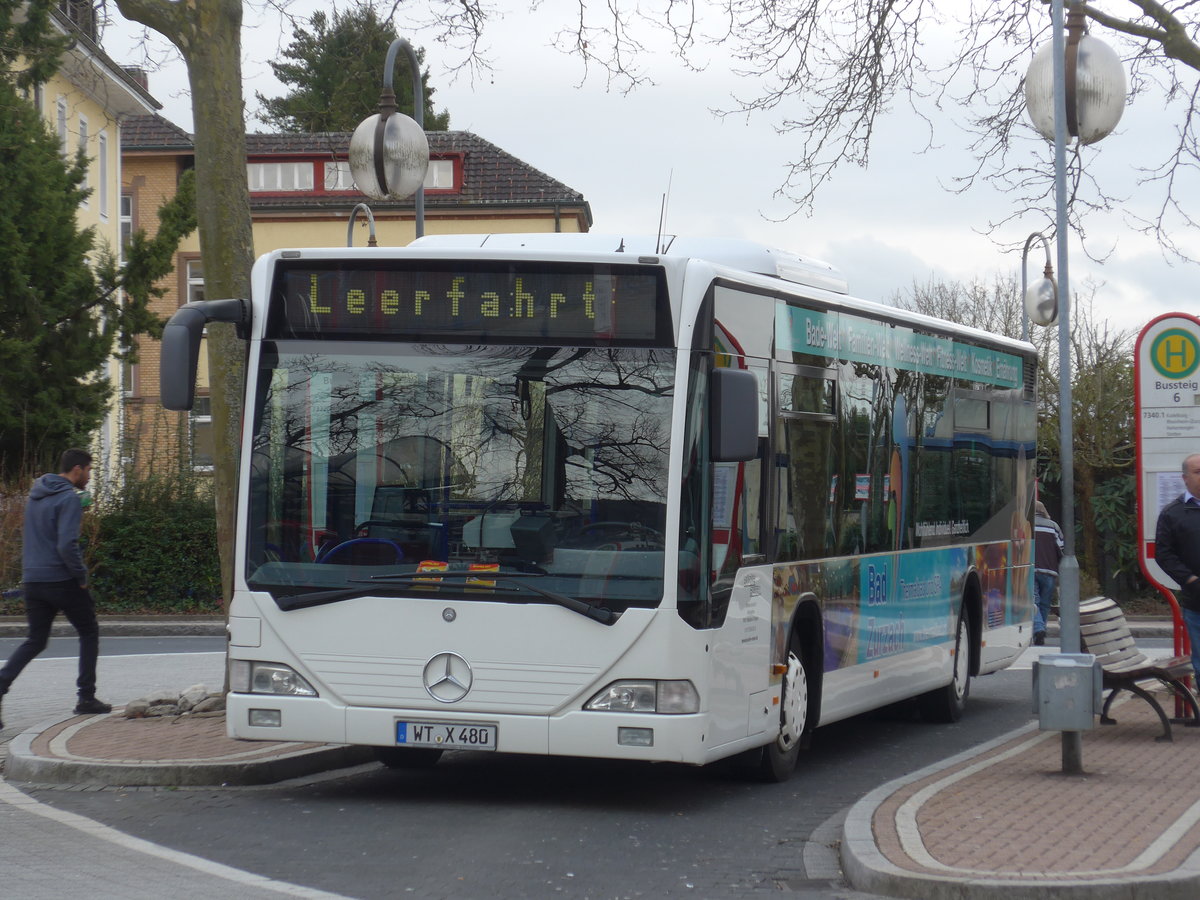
[208, 35]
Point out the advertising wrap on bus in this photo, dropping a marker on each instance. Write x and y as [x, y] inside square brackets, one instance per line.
[885, 605]
[859, 340]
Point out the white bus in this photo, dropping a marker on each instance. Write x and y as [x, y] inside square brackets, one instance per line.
[602, 497]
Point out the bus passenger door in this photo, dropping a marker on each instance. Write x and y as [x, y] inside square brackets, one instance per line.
[741, 588]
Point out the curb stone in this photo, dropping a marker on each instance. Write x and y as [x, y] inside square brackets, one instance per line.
[11, 626]
[24, 765]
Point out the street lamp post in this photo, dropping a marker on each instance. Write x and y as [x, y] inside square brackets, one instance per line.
[1087, 90]
[1041, 297]
[365, 210]
[389, 153]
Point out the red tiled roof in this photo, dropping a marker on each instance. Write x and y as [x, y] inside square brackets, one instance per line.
[153, 133]
[491, 176]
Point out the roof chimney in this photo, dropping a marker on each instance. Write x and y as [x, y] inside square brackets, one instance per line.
[139, 76]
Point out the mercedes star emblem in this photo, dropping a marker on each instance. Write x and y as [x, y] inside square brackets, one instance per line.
[447, 677]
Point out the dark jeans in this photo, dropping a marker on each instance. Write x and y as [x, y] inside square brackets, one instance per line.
[1044, 585]
[43, 601]
[1191, 621]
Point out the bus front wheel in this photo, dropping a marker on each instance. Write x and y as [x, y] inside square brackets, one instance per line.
[946, 704]
[778, 759]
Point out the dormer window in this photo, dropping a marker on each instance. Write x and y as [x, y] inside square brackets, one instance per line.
[333, 176]
[280, 176]
[338, 177]
[440, 175]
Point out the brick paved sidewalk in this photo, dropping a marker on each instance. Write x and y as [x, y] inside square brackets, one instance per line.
[177, 739]
[1008, 823]
[183, 750]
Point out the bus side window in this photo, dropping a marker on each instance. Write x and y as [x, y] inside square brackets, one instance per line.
[806, 484]
[934, 487]
[737, 514]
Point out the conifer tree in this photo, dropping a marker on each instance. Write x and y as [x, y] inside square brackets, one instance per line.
[51, 344]
[336, 72]
[65, 300]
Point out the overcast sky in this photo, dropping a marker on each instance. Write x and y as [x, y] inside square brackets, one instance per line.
[885, 227]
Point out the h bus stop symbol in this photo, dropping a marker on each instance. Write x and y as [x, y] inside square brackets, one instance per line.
[1175, 353]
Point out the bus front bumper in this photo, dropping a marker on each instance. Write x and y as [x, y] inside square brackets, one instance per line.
[606, 735]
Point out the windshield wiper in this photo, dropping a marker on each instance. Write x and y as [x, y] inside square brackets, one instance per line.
[320, 598]
[598, 613]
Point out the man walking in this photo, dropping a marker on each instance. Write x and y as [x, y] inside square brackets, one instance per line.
[1047, 553]
[1177, 550]
[55, 577]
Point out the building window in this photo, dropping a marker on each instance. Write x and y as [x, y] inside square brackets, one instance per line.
[61, 123]
[195, 280]
[82, 15]
[102, 173]
[337, 176]
[126, 220]
[129, 375]
[440, 175]
[35, 96]
[83, 148]
[200, 420]
[280, 176]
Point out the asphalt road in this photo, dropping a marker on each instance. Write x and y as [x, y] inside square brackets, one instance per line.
[481, 825]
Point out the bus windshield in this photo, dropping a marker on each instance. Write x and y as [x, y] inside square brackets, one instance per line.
[379, 466]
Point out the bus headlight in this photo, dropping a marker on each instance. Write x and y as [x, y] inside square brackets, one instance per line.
[650, 696]
[250, 677]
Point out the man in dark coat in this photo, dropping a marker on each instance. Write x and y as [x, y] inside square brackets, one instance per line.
[55, 577]
[1177, 550]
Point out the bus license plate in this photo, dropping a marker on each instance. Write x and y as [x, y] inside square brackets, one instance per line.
[446, 735]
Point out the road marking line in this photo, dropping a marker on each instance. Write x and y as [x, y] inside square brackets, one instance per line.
[25, 803]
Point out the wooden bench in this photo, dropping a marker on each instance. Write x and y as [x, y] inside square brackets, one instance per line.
[1105, 633]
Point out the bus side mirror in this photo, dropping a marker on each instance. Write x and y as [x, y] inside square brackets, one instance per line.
[181, 346]
[180, 358]
[734, 415]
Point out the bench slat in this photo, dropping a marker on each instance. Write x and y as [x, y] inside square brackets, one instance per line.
[1103, 648]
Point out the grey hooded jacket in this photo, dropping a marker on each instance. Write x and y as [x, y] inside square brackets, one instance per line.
[51, 546]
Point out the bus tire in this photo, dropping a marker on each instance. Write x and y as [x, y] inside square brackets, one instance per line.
[408, 757]
[946, 704]
[777, 759]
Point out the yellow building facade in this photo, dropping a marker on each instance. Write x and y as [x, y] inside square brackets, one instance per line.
[86, 103]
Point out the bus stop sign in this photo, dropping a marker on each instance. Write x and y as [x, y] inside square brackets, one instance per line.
[1167, 374]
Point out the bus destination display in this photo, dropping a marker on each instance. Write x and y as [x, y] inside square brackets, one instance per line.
[468, 302]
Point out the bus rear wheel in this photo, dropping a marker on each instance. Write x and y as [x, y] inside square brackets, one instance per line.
[946, 704]
[408, 757]
[778, 759]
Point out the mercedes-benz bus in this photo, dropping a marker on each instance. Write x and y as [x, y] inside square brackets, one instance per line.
[645, 499]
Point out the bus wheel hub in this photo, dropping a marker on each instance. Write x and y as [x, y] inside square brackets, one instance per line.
[795, 704]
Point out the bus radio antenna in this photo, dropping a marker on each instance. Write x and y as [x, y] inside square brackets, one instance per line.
[662, 215]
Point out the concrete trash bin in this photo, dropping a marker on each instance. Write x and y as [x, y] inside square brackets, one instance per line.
[1067, 689]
